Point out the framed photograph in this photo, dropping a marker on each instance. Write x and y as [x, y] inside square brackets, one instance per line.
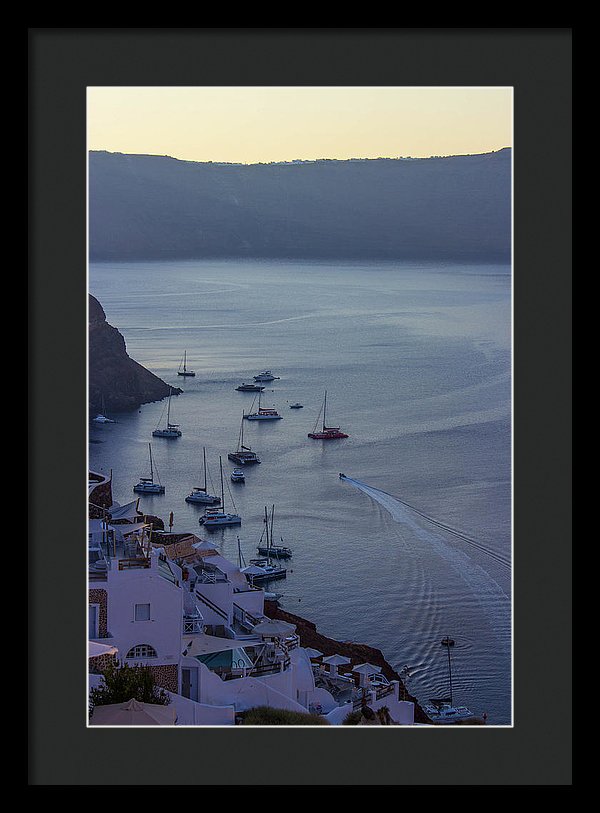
[340, 269]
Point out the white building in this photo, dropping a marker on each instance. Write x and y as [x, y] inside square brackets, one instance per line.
[193, 617]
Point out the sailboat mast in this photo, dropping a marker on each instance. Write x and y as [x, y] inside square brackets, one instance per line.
[169, 409]
[184, 360]
[325, 411]
[272, 514]
[151, 469]
[267, 527]
[222, 490]
[204, 456]
[448, 642]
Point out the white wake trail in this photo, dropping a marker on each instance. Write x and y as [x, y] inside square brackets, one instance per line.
[488, 593]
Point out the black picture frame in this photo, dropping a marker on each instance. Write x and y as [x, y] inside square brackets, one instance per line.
[537, 63]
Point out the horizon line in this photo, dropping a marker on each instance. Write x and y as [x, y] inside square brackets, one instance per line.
[300, 160]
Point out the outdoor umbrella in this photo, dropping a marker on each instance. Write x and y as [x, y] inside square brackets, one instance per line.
[364, 670]
[334, 661]
[132, 712]
[312, 653]
[204, 544]
[279, 629]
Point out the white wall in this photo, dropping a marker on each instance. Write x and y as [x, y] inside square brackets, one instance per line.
[127, 588]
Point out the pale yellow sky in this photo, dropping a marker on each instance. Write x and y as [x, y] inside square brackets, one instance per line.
[261, 124]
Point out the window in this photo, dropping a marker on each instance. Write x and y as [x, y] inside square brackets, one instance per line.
[141, 651]
[93, 620]
[142, 612]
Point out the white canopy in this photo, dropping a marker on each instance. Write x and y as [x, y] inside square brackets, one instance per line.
[208, 644]
[253, 570]
[312, 653]
[203, 544]
[366, 669]
[128, 511]
[274, 628]
[336, 660]
[133, 713]
[95, 649]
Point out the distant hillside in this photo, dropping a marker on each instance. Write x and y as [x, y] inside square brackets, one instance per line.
[152, 207]
[117, 382]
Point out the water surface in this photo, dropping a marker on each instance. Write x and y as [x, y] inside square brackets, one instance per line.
[416, 360]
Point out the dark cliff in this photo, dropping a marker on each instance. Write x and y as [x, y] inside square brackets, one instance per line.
[145, 207]
[358, 653]
[117, 383]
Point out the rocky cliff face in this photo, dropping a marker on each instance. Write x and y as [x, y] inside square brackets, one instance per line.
[117, 383]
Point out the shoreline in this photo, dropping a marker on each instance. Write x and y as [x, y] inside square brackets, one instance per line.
[358, 653]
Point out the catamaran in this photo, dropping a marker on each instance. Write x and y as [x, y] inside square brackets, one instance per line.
[269, 549]
[147, 485]
[327, 432]
[263, 413]
[243, 456]
[217, 517]
[201, 495]
[185, 370]
[171, 430]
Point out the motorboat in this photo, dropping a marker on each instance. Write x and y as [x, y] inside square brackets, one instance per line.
[102, 419]
[296, 406]
[249, 388]
[266, 375]
[238, 476]
[442, 712]
[267, 571]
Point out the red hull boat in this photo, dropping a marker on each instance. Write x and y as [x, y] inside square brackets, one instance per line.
[326, 432]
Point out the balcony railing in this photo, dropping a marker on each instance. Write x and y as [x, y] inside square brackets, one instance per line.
[130, 564]
[192, 624]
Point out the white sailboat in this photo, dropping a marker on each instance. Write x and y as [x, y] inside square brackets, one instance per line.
[217, 517]
[185, 371]
[101, 417]
[201, 495]
[147, 485]
[441, 710]
[171, 430]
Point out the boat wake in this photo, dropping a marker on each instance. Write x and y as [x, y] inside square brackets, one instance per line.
[485, 589]
[389, 502]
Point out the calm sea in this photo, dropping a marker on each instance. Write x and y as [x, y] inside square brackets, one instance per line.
[416, 360]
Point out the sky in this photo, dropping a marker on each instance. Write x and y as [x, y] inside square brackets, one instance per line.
[252, 125]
